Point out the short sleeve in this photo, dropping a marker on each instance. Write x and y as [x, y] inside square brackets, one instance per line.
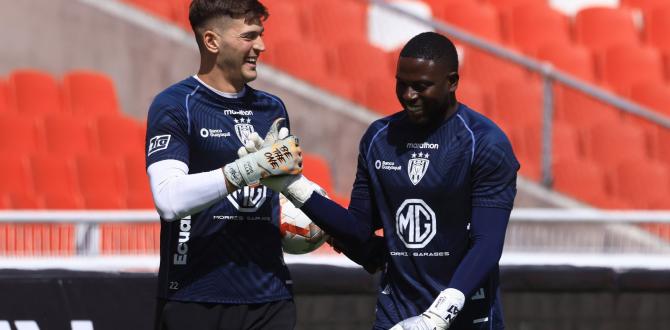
[167, 133]
[494, 173]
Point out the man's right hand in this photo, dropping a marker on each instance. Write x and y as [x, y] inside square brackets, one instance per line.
[281, 157]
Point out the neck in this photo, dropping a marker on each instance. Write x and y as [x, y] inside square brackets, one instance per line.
[212, 75]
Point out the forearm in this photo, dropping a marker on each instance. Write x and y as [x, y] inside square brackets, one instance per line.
[337, 221]
[488, 234]
[178, 194]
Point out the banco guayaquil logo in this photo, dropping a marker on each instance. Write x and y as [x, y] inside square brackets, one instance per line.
[415, 223]
[243, 129]
[417, 167]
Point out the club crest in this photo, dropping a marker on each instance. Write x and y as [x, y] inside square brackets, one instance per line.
[243, 129]
[417, 167]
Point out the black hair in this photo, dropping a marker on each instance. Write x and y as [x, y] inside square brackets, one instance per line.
[432, 46]
[201, 11]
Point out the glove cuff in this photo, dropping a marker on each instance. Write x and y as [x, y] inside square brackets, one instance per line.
[249, 171]
[233, 174]
[300, 190]
[446, 307]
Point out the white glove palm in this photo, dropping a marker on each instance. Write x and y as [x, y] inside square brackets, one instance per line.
[296, 188]
[439, 315]
[280, 157]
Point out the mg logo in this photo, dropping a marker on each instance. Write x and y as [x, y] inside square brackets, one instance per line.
[415, 223]
[248, 199]
[243, 129]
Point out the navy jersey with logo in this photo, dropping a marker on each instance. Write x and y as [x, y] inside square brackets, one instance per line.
[423, 186]
[231, 251]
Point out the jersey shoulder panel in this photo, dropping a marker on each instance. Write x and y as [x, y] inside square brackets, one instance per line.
[375, 129]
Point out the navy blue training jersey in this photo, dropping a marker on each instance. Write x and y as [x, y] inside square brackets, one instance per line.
[231, 251]
[424, 184]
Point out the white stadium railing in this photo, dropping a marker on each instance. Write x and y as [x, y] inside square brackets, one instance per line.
[580, 237]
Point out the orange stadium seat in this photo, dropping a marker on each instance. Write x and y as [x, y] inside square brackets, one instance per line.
[4, 98]
[653, 95]
[657, 27]
[283, 24]
[15, 175]
[565, 143]
[584, 180]
[643, 184]
[530, 26]
[101, 176]
[335, 21]
[316, 169]
[25, 201]
[118, 136]
[476, 18]
[470, 94]
[90, 93]
[573, 59]
[139, 192]
[581, 110]
[4, 204]
[359, 60]
[62, 201]
[621, 66]
[53, 175]
[380, 96]
[644, 5]
[600, 27]
[25, 84]
[69, 135]
[18, 135]
[179, 13]
[628, 139]
[518, 102]
[161, 9]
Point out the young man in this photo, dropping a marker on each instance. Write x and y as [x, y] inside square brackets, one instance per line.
[221, 258]
[440, 179]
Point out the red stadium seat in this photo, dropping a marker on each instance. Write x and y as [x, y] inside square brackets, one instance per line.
[161, 9]
[101, 176]
[572, 59]
[25, 84]
[316, 169]
[479, 19]
[53, 175]
[518, 102]
[15, 175]
[565, 143]
[18, 135]
[179, 13]
[335, 21]
[629, 141]
[4, 98]
[642, 183]
[622, 66]
[25, 201]
[657, 27]
[581, 179]
[282, 25]
[309, 63]
[534, 24]
[359, 60]
[119, 136]
[470, 94]
[380, 96]
[69, 135]
[581, 110]
[653, 95]
[644, 5]
[90, 93]
[139, 192]
[70, 201]
[599, 27]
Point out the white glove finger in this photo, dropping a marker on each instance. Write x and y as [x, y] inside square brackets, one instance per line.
[256, 140]
[283, 133]
[241, 152]
[273, 133]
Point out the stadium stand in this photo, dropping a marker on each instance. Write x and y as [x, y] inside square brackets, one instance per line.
[621, 66]
[533, 24]
[89, 94]
[600, 27]
[25, 84]
[18, 134]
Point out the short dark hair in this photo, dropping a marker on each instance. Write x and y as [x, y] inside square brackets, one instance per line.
[201, 11]
[432, 46]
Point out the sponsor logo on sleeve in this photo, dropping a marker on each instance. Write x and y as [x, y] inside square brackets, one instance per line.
[213, 132]
[158, 143]
[387, 166]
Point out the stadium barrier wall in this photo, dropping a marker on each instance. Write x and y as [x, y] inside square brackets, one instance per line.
[329, 297]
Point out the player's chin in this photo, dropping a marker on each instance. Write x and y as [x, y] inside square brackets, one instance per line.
[249, 74]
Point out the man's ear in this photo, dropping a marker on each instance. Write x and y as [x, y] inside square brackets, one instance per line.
[453, 81]
[211, 41]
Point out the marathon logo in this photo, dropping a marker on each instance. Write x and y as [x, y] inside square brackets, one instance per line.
[181, 257]
[424, 145]
[229, 112]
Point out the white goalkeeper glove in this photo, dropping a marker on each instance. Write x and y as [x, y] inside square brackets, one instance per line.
[297, 188]
[439, 315]
[280, 157]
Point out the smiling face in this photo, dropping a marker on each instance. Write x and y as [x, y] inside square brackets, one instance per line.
[241, 44]
[426, 89]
